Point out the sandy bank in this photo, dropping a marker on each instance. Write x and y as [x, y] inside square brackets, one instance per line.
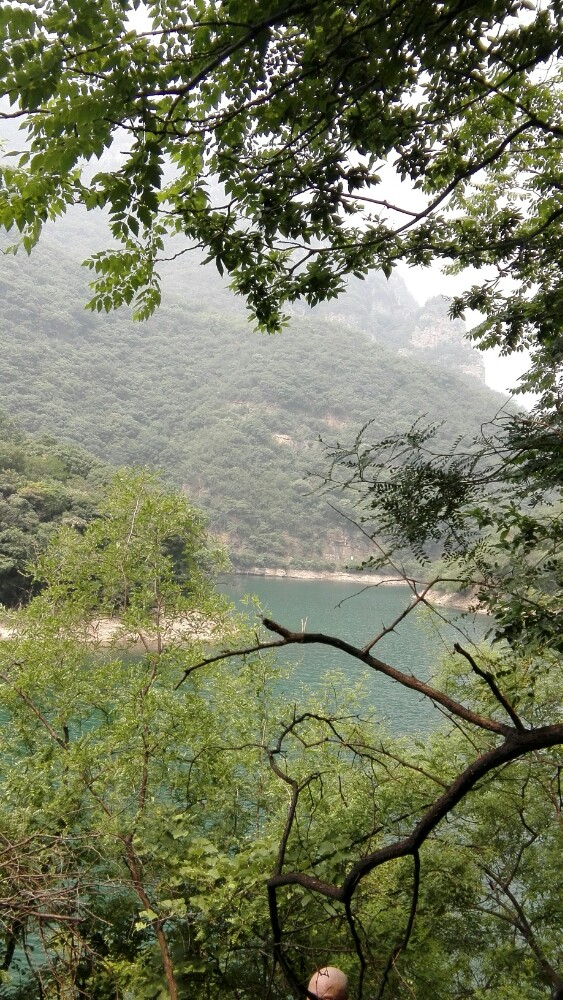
[108, 632]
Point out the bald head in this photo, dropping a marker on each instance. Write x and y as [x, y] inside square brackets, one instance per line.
[329, 983]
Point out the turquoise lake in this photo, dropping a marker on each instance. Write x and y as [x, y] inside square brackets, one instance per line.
[356, 613]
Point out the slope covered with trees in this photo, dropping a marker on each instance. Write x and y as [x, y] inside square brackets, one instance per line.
[233, 416]
[44, 484]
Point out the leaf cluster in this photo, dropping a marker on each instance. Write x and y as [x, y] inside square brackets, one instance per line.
[490, 509]
[259, 135]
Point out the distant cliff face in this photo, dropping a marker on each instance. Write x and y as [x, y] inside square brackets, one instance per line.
[388, 313]
[440, 340]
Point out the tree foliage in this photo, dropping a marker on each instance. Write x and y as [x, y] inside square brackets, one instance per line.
[492, 510]
[173, 802]
[260, 134]
[43, 484]
[115, 763]
[421, 868]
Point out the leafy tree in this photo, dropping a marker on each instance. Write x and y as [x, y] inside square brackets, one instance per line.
[163, 792]
[43, 484]
[135, 862]
[294, 111]
[259, 134]
[109, 754]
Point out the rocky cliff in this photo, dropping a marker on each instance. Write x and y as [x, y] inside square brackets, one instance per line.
[387, 312]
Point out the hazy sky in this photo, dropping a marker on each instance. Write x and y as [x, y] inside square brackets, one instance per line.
[501, 373]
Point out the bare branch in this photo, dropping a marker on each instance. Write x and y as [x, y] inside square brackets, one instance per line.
[406, 680]
[489, 679]
[512, 748]
[408, 931]
[522, 924]
[227, 654]
[410, 607]
[516, 745]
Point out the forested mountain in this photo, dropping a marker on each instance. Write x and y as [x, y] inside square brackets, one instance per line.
[233, 415]
[389, 315]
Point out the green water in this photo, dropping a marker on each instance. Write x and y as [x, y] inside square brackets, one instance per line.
[356, 614]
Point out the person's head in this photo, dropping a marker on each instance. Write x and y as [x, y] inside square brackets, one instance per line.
[329, 983]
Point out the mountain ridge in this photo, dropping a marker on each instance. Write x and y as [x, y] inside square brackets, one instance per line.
[231, 415]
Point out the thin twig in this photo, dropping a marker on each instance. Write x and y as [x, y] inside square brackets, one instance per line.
[489, 679]
[406, 611]
[408, 930]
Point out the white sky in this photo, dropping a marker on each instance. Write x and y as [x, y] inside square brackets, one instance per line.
[501, 373]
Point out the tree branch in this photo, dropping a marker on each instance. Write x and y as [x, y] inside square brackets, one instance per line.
[522, 924]
[516, 745]
[489, 679]
[408, 931]
[406, 680]
[410, 607]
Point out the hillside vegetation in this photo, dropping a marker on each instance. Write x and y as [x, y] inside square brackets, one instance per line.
[232, 415]
[43, 484]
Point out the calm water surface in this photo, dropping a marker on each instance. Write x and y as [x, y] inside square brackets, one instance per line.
[356, 614]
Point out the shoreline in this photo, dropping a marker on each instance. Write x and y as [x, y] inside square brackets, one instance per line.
[465, 602]
[110, 632]
[106, 632]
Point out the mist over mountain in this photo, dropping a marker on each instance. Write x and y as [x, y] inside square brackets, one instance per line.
[232, 415]
[388, 314]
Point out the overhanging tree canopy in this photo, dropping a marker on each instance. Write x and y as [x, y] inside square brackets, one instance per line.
[294, 108]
